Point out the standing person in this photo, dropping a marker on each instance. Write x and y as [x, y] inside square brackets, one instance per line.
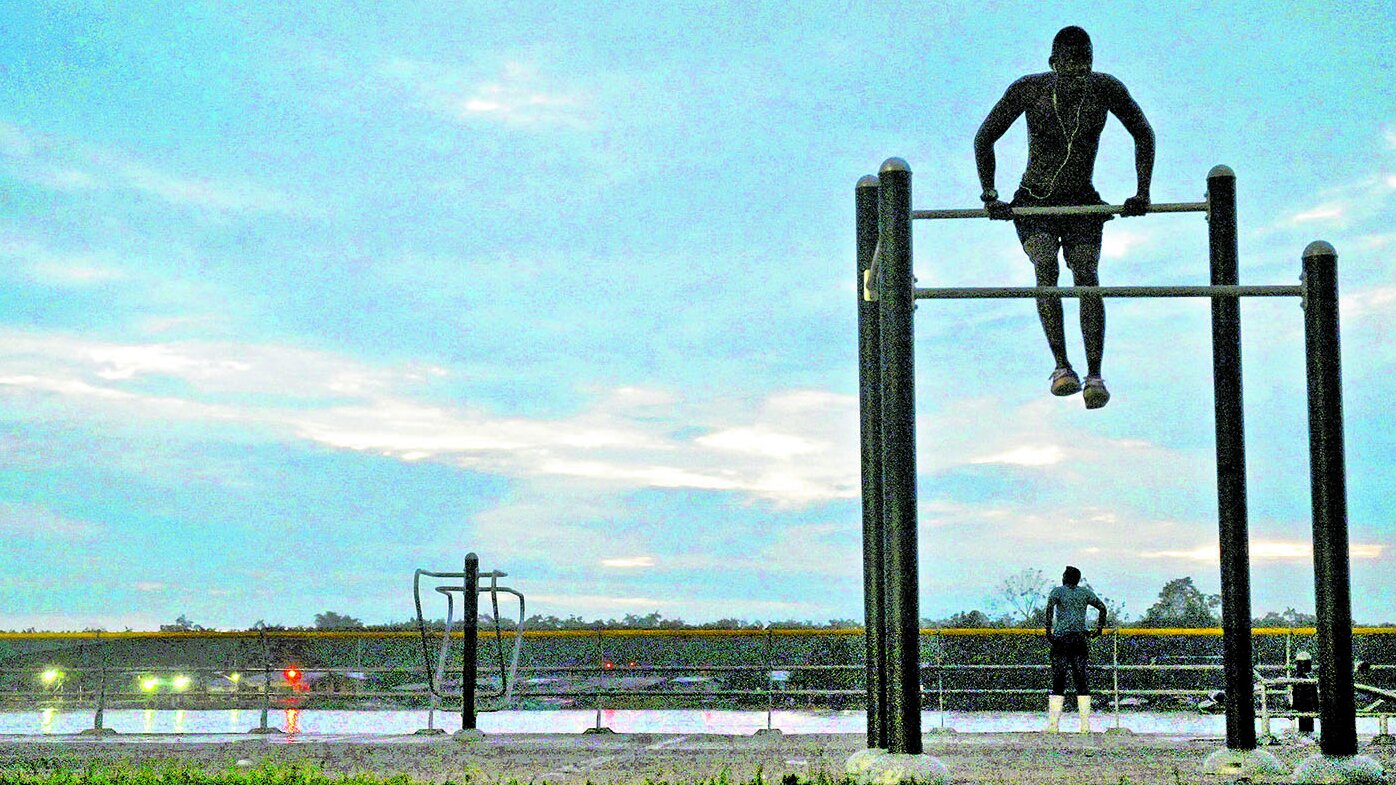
[1067, 631]
[1066, 111]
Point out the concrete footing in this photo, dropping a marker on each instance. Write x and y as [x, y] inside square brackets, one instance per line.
[1339, 770]
[1243, 763]
[97, 732]
[880, 767]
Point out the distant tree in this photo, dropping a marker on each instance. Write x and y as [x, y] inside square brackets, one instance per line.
[329, 620]
[1181, 604]
[974, 618]
[1290, 618]
[1025, 594]
[181, 624]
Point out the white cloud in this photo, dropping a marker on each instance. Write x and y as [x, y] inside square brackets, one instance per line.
[516, 94]
[1118, 244]
[150, 586]
[1325, 212]
[21, 521]
[1027, 455]
[629, 562]
[68, 165]
[1265, 551]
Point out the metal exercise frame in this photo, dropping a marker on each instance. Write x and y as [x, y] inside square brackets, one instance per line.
[470, 591]
[886, 300]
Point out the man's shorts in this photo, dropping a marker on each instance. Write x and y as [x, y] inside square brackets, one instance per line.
[1065, 232]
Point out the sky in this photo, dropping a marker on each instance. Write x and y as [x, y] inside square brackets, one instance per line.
[296, 298]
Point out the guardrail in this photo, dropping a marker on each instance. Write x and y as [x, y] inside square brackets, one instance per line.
[603, 674]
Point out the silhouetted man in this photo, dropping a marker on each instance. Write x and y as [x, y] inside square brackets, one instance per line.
[1068, 633]
[1066, 109]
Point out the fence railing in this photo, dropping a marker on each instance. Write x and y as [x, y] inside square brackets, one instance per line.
[619, 668]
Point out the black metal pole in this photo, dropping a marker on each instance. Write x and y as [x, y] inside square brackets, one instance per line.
[470, 636]
[1332, 591]
[895, 305]
[870, 424]
[1231, 464]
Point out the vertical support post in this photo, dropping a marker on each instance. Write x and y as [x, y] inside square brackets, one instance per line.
[470, 638]
[1231, 464]
[870, 427]
[895, 305]
[1332, 582]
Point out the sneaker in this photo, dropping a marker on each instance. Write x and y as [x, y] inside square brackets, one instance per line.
[1065, 381]
[1095, 393]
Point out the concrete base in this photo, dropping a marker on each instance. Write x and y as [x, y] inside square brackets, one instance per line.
[97, 732]
[602, 729]
[1243, 763]
[1342, 769]
[429, 732]
[267, 731]
[773, 732]
[469, 734]
[880, 767]
[1120, 731]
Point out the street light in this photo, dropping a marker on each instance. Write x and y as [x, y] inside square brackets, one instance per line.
[51, 676]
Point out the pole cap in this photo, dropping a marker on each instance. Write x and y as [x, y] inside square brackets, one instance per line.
[1221, 170]
[868, 181]
[1303, 655]
[1319, 248]
[894, 165]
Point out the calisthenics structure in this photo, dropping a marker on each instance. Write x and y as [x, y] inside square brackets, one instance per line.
[887, 297]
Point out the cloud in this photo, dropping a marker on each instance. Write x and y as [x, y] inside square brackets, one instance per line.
[516, 94]
[1265, 551]
[67, 165]
[1027, 455]
[1118, 244]
[23, 521]
[629, 562]
[1324, 212]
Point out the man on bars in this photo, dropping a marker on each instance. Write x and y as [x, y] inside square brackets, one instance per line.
[1067, 632]
[1066, 110]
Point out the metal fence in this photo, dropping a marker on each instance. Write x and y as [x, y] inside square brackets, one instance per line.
[767, 668]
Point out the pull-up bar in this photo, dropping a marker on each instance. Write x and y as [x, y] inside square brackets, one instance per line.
[1085, 209]
[1010, 292]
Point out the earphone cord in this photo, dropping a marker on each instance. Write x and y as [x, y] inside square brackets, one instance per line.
[1070, 140]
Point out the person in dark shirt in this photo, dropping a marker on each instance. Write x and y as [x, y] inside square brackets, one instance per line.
[1068, 633]
[1066, 110]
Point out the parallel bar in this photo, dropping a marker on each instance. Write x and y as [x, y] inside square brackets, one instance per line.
[870, 410]
[1232, 519]
[1011, 292]
[896, 336]
[1084, 209]
[1332, 577]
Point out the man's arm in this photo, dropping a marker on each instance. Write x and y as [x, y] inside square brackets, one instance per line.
[1100, 620]
[1051, 603]
[1000, 119]
[1123, 106]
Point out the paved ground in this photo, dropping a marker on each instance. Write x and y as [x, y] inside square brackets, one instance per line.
[1019, 758]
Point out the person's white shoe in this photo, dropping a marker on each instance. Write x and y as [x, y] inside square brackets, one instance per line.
[1083, 708]
[1054, 712]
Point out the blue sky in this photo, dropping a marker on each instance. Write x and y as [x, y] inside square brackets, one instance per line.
[298, 298]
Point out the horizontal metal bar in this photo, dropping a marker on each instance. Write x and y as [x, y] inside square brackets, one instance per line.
[1011, 292]
[1083, 209]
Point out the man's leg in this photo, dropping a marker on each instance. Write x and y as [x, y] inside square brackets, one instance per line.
[1084, 261]
[1042, 251]
[1057, 698]
[1079, 661]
